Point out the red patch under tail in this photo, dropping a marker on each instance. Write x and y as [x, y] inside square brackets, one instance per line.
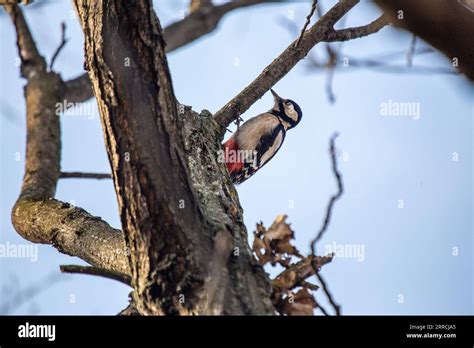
[231, 157]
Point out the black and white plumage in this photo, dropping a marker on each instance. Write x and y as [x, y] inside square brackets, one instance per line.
[259, 139]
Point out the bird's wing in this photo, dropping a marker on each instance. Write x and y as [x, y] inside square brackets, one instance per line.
[270, 146]
[249, 134]
[266, 146]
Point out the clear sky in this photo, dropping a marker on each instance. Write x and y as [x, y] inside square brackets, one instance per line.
[407, 207]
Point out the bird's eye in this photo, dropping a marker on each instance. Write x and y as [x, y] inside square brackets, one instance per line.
[287, 102]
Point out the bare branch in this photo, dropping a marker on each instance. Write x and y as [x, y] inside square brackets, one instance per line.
[381, 66]
[72, 231]
[281, 65]
[61, 45]
[31, 60]
[321, 308]
[381, 63]
[37, 216]
[334, 198]
[308, 20]
[79, 89]
[357, 32]
[328, 294]
[411, 51]
[201, 21]
[327, 219]
[329, 80]
[292, 276]
[14, 2]
[123, 278]
[80, 175]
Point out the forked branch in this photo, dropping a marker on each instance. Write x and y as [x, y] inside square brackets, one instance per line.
[322, 30]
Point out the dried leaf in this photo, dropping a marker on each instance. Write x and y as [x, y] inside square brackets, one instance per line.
[273, 245]
[301, 303]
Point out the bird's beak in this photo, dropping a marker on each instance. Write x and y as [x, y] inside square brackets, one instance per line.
[277, 99]
[275, 96]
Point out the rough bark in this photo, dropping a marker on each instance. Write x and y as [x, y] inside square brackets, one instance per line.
[179, 211]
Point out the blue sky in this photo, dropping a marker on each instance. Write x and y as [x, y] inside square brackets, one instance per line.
[408, 182]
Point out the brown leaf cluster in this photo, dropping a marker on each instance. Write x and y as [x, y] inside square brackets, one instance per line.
[292, 293]
[273, 245]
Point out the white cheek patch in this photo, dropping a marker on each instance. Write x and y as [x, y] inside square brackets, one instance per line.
[290, 111]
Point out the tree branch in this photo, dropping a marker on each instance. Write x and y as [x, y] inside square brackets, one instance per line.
[328, 294]
[308, 20]
[292, 276]
[123, 278]
[37, 216]
[80, 175]
[78, 89]
[384, 66]
[61, 45]
[357, 32]
[282, 65]
[201, 22]
[327, 219]
[197, 24]
[334, 198]
[411, 51]
[31, 60]
[72, 231]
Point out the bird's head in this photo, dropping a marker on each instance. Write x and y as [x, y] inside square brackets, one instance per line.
[286, 110]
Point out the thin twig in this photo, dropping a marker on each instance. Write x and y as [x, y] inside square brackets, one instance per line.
[321, 308]
[331, 67]
[61, 45]
[334, 198]
[80, 175]
[380, 63]
[123, 278]
[411, 51]
[308, 20]
[327, 219]
[329, 80]
[328, 294]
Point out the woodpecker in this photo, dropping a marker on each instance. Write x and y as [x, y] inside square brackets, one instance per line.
[259, 139]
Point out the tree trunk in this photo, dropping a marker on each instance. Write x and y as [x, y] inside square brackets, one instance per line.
[180, 213]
